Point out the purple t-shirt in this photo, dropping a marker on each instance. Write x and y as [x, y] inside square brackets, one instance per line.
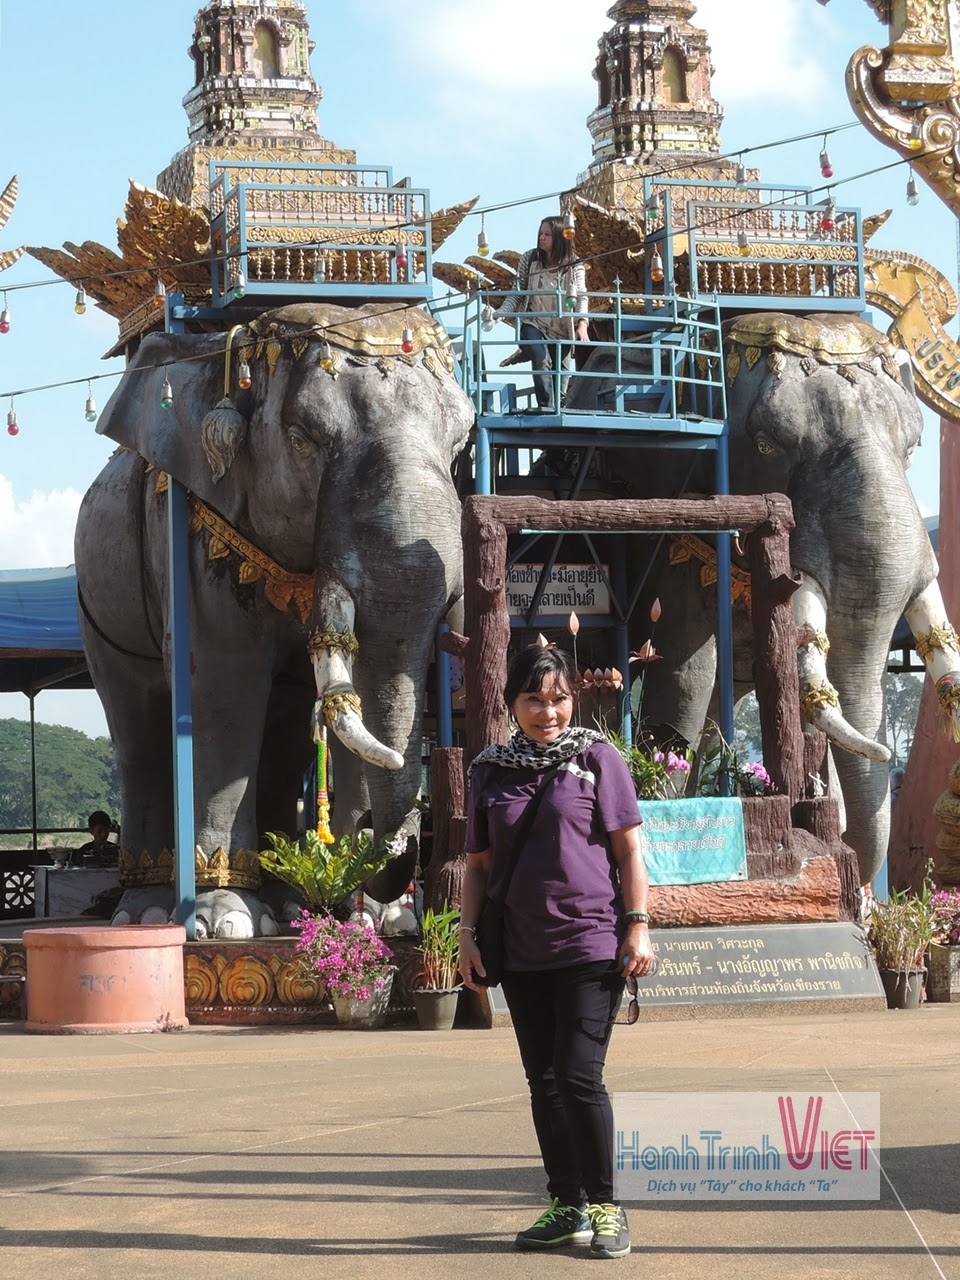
[563, 905]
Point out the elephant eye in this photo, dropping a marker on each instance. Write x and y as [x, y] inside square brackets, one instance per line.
[299, 443]
[766, 446]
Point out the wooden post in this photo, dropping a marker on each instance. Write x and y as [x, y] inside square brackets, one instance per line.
[487, 623]
[444, 874]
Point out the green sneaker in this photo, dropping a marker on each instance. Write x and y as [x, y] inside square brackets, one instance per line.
[559, 1225]
[611, 1236]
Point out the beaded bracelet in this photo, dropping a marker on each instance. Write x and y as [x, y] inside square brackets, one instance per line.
[641, 917]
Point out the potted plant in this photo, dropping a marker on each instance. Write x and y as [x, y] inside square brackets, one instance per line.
[325, 875]
[900, 930]
[439, 989]
[354, 965]
[943, 980]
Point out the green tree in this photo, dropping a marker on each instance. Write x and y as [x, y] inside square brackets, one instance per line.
[75, 775]
[902, 694]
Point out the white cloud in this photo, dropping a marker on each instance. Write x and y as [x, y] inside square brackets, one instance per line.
[37, 532]
[768, 48]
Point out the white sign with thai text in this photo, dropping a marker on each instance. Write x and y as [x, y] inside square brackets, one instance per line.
[577, 587]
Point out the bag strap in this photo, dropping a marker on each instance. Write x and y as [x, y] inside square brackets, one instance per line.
[521, 831]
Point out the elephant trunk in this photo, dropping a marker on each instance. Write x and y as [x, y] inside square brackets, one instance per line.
[332, 648]
[939, 646]
[819, 701]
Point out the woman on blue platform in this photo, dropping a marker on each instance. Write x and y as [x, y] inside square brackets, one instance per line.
[551, 267]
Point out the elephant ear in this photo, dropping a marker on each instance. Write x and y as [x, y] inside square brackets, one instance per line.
[168, 437]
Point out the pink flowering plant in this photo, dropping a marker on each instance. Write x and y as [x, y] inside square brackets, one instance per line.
[348, 956]
[945, 904]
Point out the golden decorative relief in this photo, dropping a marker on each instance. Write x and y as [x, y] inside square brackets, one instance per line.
[814, 253]
[732, 366]
[776, 363]
[246, 981]
[199, 979]
[333, 641]
[334, 704]
[221, 870]
[751, 355]
[816, 697]
[297, 985]
[140, 870]
[936, 638]
[687, 546]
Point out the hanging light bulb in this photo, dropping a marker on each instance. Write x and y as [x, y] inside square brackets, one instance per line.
[652, 208]
[400, 257]
[80, 302]
[166, 394]
[743, 243]
[5, 316]
[569, 226]
[570, 299]
[826, 168]
[656, 267]
[90, 412]
[829, 219]
[487, 320]
[238, 284]
[326, 355]
[320, 271]
[13, 427]
[741, 176]
[913, 192]
[244, 376]
[915, 140]
[406, 341]
[160, 294]
[483, 244]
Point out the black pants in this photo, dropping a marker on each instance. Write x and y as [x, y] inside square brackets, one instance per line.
[562, 1019]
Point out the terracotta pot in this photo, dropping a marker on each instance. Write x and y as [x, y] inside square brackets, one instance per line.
[89, 981]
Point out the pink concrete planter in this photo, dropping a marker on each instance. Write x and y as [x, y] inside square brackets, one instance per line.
[94, 981]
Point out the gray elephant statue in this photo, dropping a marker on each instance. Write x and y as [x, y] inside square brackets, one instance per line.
[819, 409]
[316, 445]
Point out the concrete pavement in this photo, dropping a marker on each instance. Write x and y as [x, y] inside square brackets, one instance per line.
[256, 1153]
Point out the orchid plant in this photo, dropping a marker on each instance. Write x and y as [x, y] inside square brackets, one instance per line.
[348, 956]
[945, 904]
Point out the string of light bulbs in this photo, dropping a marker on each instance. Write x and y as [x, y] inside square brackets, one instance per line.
[407, 342]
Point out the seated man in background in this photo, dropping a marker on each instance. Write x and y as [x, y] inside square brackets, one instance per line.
[98, 852]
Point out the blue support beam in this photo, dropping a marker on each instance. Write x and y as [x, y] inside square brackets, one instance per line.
[178, 551]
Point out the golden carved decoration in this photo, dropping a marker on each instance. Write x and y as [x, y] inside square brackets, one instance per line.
[200, 980]
[246, 981]
[281, 588]
[143, 869]
[819, 640]
[780, 252]
[8, 198]
[936, 638]
[751, 355]
[687, 546]
[333, 641]
[296, 984]
[732, 366]
[828, 341]
[221, 870]
[815, 697]
[337, 702]
[947, 812]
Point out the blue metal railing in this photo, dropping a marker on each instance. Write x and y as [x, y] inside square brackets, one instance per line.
[656, 362]
[304, 230]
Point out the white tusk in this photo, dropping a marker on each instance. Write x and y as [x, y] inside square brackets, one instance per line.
[340, 706]
[819, 701]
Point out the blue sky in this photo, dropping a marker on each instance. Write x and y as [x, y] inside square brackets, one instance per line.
[467, 99]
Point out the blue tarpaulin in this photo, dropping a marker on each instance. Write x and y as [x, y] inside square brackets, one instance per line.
[40, 643]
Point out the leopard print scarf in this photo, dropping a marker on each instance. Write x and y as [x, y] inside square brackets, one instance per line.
[523, 753]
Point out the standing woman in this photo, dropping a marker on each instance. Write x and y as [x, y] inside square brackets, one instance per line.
[575, 926]
[542, 271]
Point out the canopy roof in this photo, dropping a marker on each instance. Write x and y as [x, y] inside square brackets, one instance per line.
[40, 645]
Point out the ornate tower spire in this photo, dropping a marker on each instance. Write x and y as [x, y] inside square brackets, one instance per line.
[254, 96]
[654, 74]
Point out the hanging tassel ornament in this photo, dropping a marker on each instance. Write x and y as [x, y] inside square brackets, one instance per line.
[90, 412]
[5, 316]
[323, 800]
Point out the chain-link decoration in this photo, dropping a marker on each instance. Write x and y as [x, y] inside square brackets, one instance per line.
[333, 641]
[936, 638]
[339, 698]
[817, 698]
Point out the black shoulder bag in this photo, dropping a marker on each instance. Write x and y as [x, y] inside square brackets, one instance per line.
[489, 931]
